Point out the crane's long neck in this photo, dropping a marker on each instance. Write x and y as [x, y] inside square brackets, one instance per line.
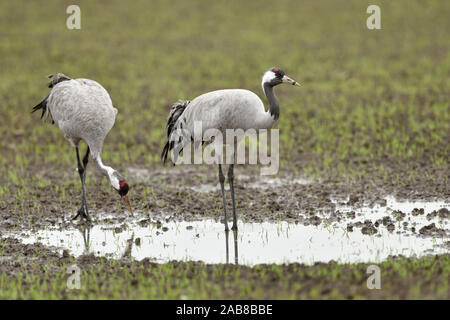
[274, 106]
[105, 170]
[109, 172]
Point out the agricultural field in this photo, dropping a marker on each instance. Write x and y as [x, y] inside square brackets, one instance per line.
[364, 151]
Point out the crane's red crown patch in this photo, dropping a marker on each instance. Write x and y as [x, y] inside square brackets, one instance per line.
[122, 183]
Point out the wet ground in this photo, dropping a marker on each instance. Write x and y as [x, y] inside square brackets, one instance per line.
[293, 221]
[275, 224]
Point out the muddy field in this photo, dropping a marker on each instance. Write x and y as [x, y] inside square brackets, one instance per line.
[193, 193]
[318, 234]
[364, 149]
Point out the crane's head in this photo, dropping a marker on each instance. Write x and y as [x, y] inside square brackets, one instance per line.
[276, 76]
[121, 185]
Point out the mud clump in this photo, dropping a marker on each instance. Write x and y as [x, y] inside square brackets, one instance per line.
[315, 220]
[144, 223]
[351, 214]
[390, 227]
[443, 213]
[353, 199]
[137, 242]
[368, 228]
[432, 230]
[387, 222]
[398, 214]
[416, 212]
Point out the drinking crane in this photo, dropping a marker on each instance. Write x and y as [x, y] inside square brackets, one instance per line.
[83, 110]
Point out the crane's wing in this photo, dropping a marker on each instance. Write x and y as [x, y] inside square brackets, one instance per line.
[224, 109]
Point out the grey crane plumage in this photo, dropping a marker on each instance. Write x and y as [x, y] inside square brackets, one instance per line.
[83, 110]
[222, 110]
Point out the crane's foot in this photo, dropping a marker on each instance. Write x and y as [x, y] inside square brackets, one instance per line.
[83, 214]
[234, 227]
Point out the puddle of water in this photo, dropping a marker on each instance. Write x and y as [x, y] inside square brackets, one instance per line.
[255, 243]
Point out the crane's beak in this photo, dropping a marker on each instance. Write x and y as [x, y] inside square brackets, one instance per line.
[127, 202]
[288, 80]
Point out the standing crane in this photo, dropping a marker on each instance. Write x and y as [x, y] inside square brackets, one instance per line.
[83, 110]
[222, 110]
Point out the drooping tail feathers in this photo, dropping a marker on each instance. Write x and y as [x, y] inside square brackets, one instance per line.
[175, 113]
[55, 79]
[42, 105]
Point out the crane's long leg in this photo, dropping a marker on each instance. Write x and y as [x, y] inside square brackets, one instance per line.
[85, 162]
[231, 181]
[222, 187]
[83, 211]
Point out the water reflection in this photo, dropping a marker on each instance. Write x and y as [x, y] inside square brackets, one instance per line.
[235, 241]
[266, 242]
[85, 231]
